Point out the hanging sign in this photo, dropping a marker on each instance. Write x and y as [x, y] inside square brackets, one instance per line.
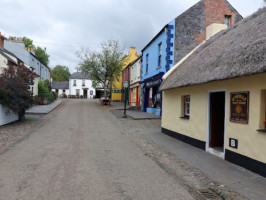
[239, 107]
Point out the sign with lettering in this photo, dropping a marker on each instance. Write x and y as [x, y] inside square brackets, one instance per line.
[233, 143]
[239, 107]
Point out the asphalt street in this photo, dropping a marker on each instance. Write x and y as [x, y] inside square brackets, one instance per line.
[81, 153]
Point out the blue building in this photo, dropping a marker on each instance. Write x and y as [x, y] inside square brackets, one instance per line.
[157, 59]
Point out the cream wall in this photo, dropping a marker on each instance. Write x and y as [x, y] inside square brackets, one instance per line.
[251, 143]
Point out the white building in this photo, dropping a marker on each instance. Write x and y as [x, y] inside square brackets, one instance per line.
[60, 87]
[81, 84]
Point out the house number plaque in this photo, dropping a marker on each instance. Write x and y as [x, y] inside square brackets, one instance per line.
[239, 107]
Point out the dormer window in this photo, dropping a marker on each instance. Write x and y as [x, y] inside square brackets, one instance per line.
[227, 20]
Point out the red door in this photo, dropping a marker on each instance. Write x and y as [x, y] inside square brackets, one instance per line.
[137, 96]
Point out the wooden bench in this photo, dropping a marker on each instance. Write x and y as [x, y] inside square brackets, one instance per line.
[105, 102]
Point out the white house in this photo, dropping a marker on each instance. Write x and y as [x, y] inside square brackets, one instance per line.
[81, 84]
[60, 87]
[5, 60]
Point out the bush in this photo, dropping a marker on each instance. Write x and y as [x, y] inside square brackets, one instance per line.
[55, 95]
[49, 95]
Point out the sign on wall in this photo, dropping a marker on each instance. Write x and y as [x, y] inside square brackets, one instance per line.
[239, 107]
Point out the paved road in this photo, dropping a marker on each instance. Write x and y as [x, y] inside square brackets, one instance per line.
[81, 153]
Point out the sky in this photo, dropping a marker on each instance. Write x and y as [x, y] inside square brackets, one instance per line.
[66, 26]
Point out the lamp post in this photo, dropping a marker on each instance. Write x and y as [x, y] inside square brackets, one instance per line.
[125, 84]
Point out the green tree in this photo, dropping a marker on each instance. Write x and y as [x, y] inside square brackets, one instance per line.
[60, 73]
[42, 55]
[39, 52]
[105, 66]
[28, 42]
[13, 89]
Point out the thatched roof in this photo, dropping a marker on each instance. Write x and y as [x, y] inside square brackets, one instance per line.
[80, 75]
[60, 85]
[235, 52]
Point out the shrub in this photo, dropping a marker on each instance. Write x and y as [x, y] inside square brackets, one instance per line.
[55, 95]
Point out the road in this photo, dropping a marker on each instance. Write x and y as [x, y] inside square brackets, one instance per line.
[81, 153]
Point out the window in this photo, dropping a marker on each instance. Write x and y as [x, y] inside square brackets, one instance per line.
[160, 55]
[147, 63]
[227, 20]
[77, 92]
[64, 90]
[187, 106]
[75, 83]
[83, 82]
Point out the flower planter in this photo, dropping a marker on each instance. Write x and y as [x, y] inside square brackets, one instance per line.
[44, 100]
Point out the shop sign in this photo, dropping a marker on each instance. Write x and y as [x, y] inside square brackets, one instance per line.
[239, 107]
[153, 83]
[116, 91]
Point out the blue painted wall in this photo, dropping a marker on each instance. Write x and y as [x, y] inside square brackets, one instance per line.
[166, 38]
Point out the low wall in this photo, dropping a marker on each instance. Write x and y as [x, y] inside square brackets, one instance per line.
[7, 118]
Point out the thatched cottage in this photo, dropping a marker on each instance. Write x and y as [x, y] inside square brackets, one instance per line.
[216, 98]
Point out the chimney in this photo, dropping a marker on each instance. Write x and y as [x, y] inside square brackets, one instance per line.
[214, 28]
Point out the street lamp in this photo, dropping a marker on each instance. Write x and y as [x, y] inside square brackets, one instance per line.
[125, 87]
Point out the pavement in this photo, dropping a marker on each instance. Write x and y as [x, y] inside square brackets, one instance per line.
[210, 167]
[137, 115]
[82, 153]
[43, 109]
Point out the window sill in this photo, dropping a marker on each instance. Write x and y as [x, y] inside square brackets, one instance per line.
[262, 130]
[158, 67]
[184, 117]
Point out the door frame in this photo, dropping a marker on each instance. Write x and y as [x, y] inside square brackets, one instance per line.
[208, 132]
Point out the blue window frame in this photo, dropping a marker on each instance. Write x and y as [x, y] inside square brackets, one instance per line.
[147, 62]
[159, 54]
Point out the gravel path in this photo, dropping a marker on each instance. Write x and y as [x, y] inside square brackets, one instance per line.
[82, 153]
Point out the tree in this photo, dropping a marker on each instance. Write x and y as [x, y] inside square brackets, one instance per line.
[28, 42]
[13, 89]
[42, 55]
[60, 73]
[105, 66]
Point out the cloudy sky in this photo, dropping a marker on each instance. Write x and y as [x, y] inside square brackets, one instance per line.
[65, 26]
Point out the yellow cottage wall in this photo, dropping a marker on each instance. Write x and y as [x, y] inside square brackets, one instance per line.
[117, 85]
[251, 143]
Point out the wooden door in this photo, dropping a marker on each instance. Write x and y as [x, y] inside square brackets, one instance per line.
[217, 115]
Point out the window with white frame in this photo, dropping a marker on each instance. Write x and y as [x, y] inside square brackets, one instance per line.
[187, 106]
[160, 54]
[83, 82]
[74, 83]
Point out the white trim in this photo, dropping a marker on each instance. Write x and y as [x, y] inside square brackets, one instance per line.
[207, 148]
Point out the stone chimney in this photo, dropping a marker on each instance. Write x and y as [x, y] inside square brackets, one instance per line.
[214, 28]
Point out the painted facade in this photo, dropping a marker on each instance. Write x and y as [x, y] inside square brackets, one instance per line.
[157, 59]
[135, 78]
[117, 85]
[251, 143]
[216, 99]
[81, 85]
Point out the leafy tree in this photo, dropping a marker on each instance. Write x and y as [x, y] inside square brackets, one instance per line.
[42, 55]
[105, 66]
[60, 73]
[13, 89]
[39, 52]
[28, 42]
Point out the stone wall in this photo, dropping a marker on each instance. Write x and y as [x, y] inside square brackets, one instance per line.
[190, 27]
